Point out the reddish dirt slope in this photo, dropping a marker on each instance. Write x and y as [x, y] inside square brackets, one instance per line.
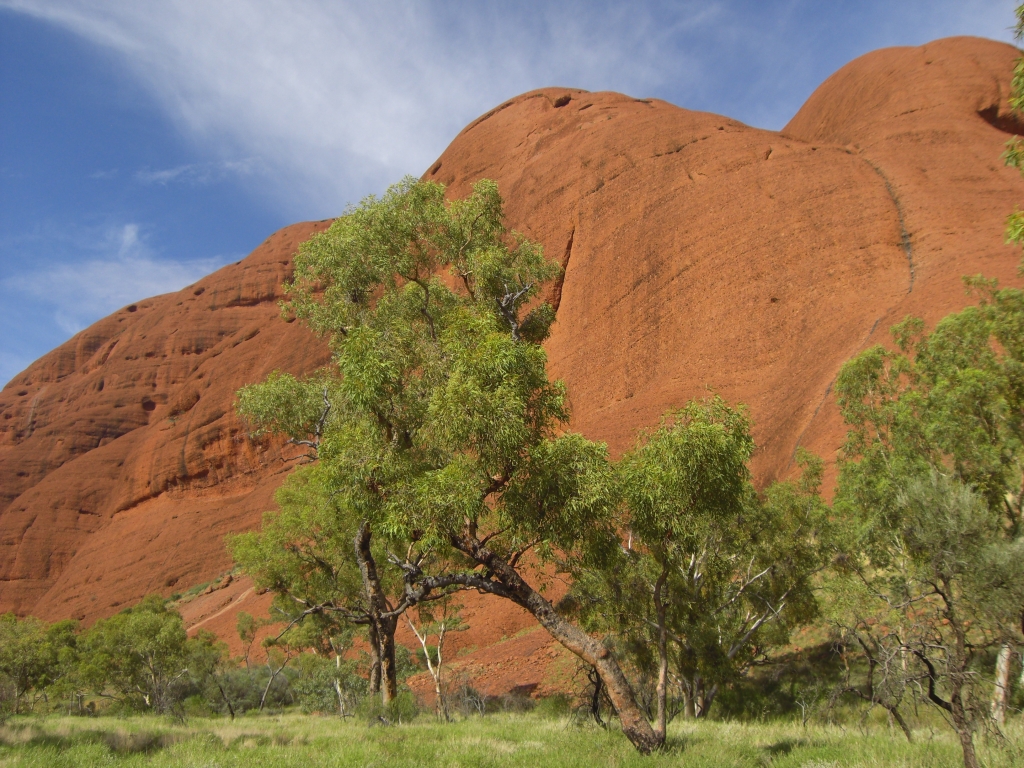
[699, 253]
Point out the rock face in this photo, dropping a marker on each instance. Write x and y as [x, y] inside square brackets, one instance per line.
[699, 253]
[122, 464]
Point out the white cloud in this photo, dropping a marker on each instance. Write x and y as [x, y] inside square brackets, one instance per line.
[337, 99]
[328, 100]
[119, 269]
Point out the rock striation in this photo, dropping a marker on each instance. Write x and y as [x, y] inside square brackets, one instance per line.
[699, 253]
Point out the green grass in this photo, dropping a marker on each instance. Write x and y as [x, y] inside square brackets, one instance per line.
[495, 740]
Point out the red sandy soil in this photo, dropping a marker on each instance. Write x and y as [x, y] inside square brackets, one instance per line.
[699, 253]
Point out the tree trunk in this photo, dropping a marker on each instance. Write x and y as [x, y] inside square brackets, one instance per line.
[662, 690]
[388, 671]
[958, 665]
[634, 724]
[1001, 694]
[709, 699]
[689, 711]
[699, 702]
[595, 698]
[434, 670]
[337, 684]
[227, 701]
[895, 712]
[958, 713]
[963, 731]
[374, 659]
[383, 628]
[273, 677]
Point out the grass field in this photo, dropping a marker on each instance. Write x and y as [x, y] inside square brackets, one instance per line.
[495, 740]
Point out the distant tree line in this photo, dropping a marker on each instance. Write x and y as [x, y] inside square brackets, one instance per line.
[143, 660]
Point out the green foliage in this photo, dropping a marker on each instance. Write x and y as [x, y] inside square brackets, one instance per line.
[437, 417]
[33, 657]
[401, 709]
[142, 656]
[951, 399]
[328, 686]
[440, 410]
[284, 404]
[1014, 154]
[732, 571]
[409, 237]
[687, 477]
[931, 559]
[304, 554]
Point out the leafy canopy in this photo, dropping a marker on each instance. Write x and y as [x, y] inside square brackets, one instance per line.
[438, 412]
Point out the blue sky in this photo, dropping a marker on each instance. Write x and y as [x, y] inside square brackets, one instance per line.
[145, 144]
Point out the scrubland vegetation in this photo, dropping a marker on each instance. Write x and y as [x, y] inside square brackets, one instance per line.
[435, 456]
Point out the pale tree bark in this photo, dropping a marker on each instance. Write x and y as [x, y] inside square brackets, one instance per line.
[388, 669]
[337, 687]
[273, 676]
[374, 651]
[661, 723]
[1001, 694]
[689, 710]
[432, 668]
[955, 705]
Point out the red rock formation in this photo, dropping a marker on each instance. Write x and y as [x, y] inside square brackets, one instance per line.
[122, 464]
[699, 252]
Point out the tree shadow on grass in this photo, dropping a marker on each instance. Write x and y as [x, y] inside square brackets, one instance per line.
[784, 747]
[119, 742]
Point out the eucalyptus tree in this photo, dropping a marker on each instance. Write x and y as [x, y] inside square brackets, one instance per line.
[142, 657]
[316, 557]
[710, 574]
[930, 485]
[437, 425]
[31, 656]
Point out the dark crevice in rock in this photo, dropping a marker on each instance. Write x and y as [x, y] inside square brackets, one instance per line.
[490, 114]
[1007, 122]
[556, 291]
[904, 234]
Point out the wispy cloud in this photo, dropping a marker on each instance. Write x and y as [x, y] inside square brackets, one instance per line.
[198, 173]
[327, 100]
[340, 98]
[118, 268]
